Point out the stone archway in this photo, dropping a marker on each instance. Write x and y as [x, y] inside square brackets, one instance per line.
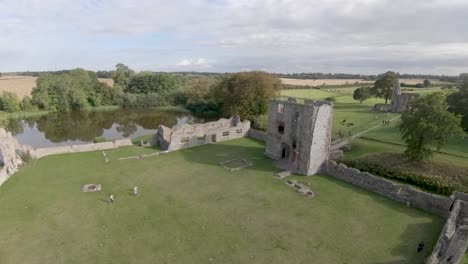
[285, 151]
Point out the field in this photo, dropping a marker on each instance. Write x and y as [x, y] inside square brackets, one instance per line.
[23, 85]
[191, 210]
[357, 117]
[319, 82]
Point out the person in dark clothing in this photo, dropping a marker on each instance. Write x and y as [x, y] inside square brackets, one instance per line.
[420, 246]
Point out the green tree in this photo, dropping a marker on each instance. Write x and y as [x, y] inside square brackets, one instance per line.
[362, 94]
[122, 75]
[246, 93]
[26, 104]
[149, 82]
[383, 87]
[9, 102]
[427, 123]
[458, 103]
[426, 83]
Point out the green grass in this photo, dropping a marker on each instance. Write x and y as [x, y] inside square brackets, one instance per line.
[391, 133]
[191, 210]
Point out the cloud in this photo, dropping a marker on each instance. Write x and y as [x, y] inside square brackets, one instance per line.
[367, 36]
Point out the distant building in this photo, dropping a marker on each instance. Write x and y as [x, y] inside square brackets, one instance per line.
[299, 134]
[400, 101]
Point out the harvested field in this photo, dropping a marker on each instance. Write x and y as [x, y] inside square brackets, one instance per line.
[322, 81]
[23, 85]
[20, 85]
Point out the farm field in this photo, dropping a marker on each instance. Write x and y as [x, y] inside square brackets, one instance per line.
[319, 82]
[23, 85]
[191, 210]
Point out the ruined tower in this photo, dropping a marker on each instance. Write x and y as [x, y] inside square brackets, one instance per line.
[299, 134]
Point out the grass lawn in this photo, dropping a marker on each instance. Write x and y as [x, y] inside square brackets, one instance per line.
[191, 210]
[391, 133]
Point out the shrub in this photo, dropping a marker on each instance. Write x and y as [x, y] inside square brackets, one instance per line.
[331, 99]
[9, 102]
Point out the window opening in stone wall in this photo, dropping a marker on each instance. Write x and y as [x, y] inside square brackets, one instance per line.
[226, 134]
[280, 128]
[201, 138]
[184, 140]
[239, 131]
[280, 108]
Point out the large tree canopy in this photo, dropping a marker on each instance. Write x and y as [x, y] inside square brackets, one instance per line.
[383, 87]
[427, 123]
[122, 75]
[458, 102]
[149, 82]
[362, 94]
[246, 93]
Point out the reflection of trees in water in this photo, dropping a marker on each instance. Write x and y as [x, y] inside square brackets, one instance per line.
[86, 126]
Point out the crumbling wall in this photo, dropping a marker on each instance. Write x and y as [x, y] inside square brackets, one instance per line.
[383, 107]
[9, 155]
[42, 152]
[257, 134]
[186, 136]
[400, 101]
[436, 204]
[299, 134]
[453, 240]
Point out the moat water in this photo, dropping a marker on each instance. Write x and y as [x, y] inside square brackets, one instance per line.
[59, 129]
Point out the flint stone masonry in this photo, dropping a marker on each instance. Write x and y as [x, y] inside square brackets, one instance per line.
[436, 204]
[299, 134]
[257, 134]
[187, 136]
[400, 101]
[10, 155]
[42, 152]
[453, 240]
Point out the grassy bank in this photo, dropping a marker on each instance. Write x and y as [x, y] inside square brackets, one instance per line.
[191, 210]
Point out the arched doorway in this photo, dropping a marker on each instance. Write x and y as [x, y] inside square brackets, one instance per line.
[285, 151]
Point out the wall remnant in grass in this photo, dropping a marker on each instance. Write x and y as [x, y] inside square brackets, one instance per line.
[257, 134]
[10, 155]
[187, 136]
[453, 240]
[436, 204]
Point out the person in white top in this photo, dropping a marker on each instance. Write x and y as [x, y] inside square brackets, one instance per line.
[135, 191]
[111, 198]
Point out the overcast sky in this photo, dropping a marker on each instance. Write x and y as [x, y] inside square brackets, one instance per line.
[352, 36]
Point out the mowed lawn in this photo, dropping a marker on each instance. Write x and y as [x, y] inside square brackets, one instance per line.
[356, 116]
[191, 210]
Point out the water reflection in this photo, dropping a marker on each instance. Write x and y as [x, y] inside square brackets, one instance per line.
[83, 127]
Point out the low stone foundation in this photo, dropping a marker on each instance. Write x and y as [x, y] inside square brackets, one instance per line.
[257, 134]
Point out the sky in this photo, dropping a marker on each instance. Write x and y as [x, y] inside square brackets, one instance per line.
[338, 36]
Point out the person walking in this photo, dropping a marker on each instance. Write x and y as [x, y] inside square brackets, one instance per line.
[111, 199]
[135, 191]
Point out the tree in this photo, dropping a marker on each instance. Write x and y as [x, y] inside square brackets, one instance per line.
[9, 102]
[149, 82]
[458, 103]
[122, 75]
[362, 94]
[383, 87]
[427, 123]
[426, 83]
[246, 93]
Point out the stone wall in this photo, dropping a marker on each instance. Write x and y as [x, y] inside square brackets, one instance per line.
[257, 134]
[400, 101]
[299, 134]
[436, 204]
[42, 152]
[383, 107]
[453, 240]
[10, 155]
[186, 136]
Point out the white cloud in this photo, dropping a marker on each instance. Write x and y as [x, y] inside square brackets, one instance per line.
[193, 62]
[278, 35]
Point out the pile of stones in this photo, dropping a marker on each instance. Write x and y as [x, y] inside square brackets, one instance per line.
[301, 188]
[91, 188]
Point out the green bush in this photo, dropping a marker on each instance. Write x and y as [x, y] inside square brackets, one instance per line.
[331, 99]
[382, 165]
[9, 102]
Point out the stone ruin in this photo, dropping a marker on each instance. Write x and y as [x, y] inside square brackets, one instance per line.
[91, 187]
[299, 134]
[10, 155]
[186, 136]
[400, 101]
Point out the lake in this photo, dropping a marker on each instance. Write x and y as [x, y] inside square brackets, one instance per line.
[58, 129]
